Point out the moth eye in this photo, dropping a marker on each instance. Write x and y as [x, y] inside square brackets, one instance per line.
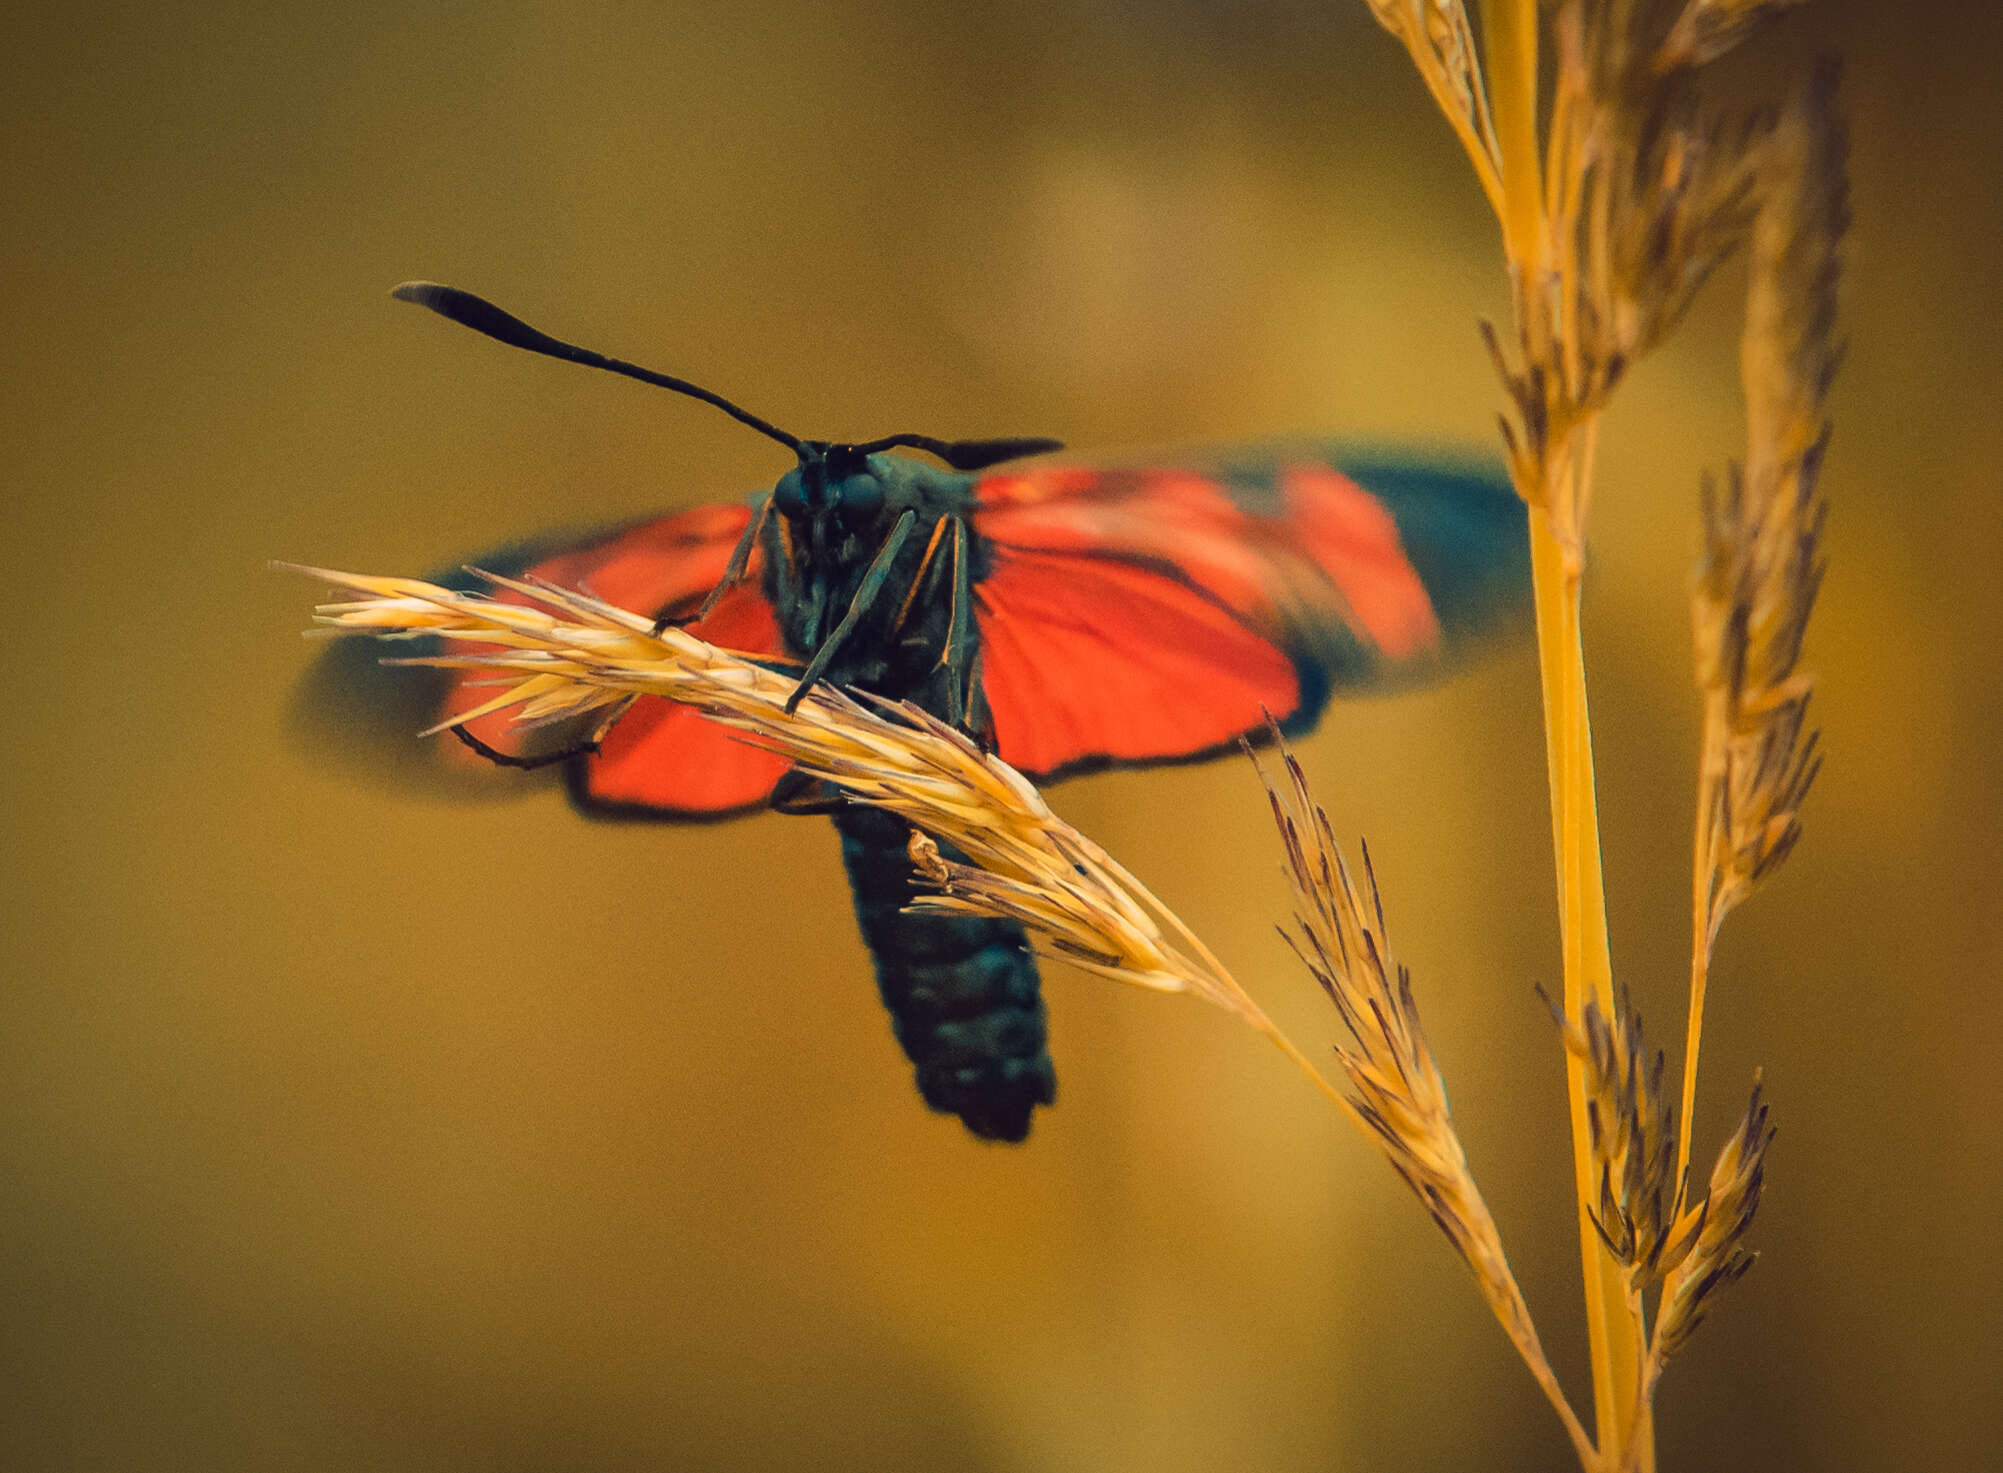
[789, 495]
[862, 499]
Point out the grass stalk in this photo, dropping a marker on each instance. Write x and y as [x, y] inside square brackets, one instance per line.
[1703, 932]
[1510, 31]
[1614, 1330]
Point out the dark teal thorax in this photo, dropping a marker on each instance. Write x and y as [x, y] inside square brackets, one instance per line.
[916, 639]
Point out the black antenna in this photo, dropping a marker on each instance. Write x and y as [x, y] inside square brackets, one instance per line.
[484, 317]
[965, 455]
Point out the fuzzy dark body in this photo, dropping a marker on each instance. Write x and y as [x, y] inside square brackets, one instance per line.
[963, 993]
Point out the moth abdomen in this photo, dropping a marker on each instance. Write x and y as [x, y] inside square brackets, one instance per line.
[963, 993]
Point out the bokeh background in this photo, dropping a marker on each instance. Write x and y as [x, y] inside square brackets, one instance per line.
[342, 1127]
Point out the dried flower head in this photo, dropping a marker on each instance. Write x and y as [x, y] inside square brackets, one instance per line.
[1757, 581]
[1762, 561]
[1707, 29]
[1340, 936]
[1631, 1120]
[1719, 1257]
[1647, 188]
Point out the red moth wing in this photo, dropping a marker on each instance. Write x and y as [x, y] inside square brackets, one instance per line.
[1321, 549]
[1175, 518]
[661, 758]
[1350, 536]
[1136, 615]
[1085, 659]
[656, 566]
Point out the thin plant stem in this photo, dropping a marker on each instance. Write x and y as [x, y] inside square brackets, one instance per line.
[1613, 1330]
[1703, 930]
[1510, 28]
[1614, 1334]
[1639, 1452]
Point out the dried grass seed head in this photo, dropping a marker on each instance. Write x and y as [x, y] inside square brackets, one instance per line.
[1339, 934]
[1719, 1257]
[1762, 562]
[1631, 1119]
[1440, 41]
[560, 652]
[1707, 29]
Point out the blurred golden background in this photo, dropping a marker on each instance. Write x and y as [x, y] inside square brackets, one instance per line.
[346, 1128]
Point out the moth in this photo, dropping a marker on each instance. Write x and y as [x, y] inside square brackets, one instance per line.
[1070, 617]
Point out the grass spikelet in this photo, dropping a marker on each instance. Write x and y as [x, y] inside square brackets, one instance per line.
[1633, 1135]
[1707, 29]
[1790, 351]
[1757, 580]
[1441, 43]
[1339, 933]
[1719, 1256]
[1762, 560]
[1072, 898]
[1761, 563]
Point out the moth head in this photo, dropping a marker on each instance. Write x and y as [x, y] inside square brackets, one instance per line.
[832, 481]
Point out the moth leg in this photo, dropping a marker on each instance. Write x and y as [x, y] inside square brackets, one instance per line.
[585, 748]
[980, 719]
[787, 591]
[525, 764]
[865, 595]
[959, 629]
[924, 567]
[797, 793]
[733, 571]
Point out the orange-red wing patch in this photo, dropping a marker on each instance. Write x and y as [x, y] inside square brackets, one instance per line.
[667, 757]
[1319, 556]
[1352, 538]
[1174, 517]
[660, 755]
[653, 567]
[1085, 659]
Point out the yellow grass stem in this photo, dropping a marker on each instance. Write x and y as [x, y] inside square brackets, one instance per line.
[1703, 932]
[1613, 1330]
[1641, 194]
[1510, 30]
